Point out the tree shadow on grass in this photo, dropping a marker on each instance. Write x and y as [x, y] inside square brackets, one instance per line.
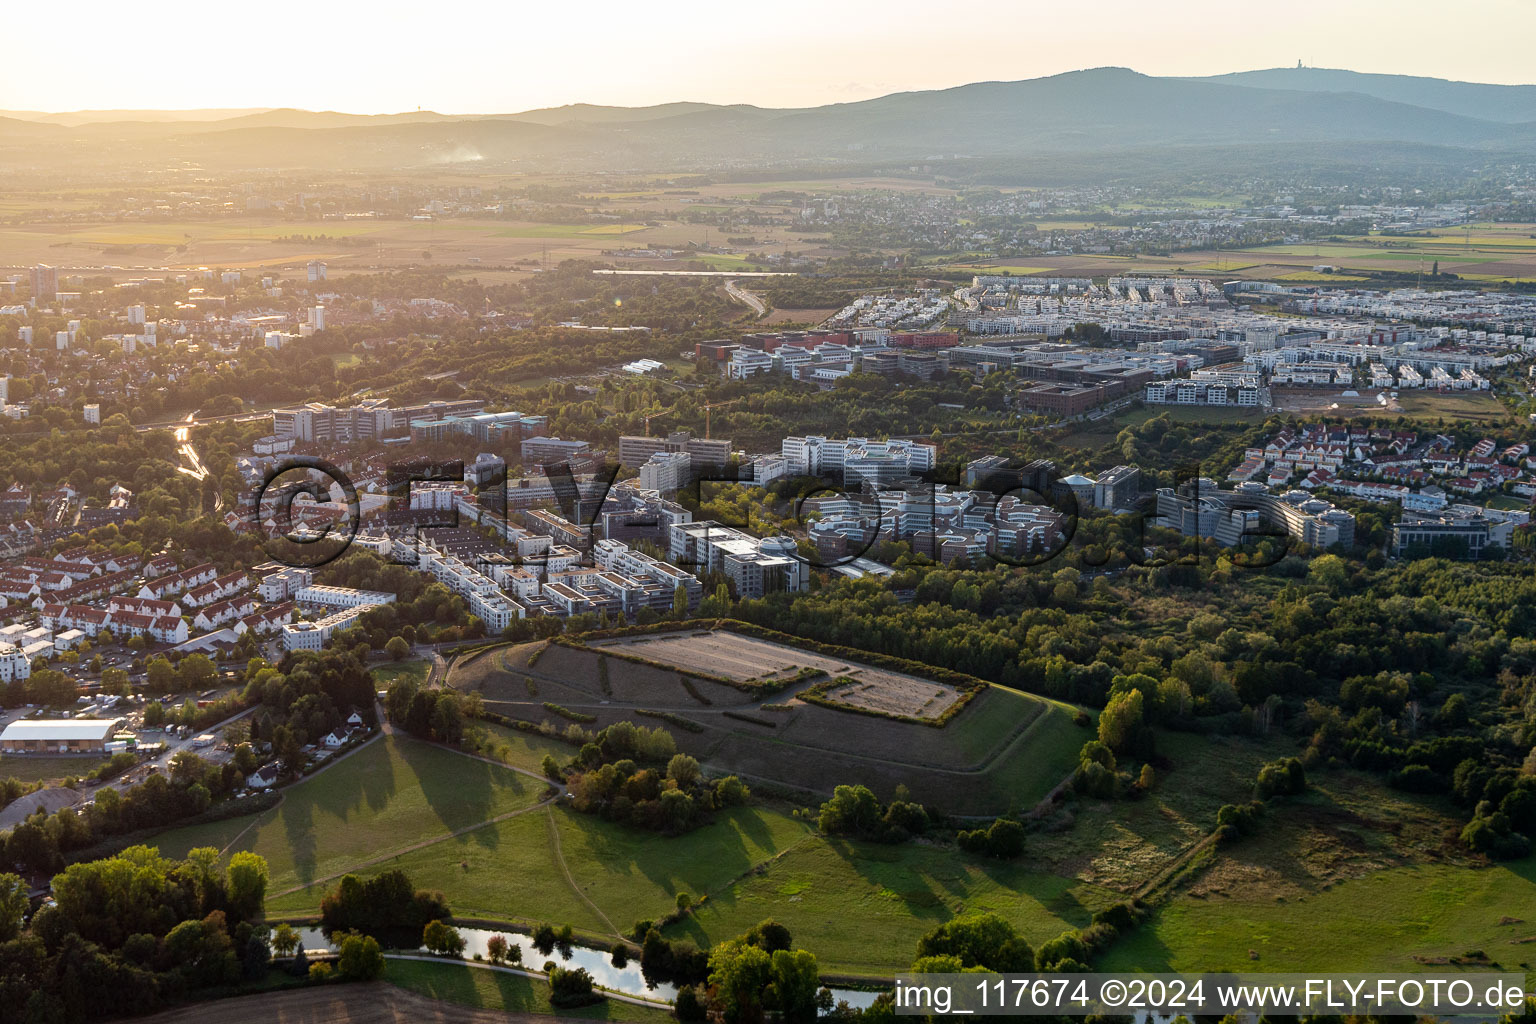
[895, 871]
[461, 791]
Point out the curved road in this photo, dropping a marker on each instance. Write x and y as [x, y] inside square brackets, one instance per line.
[743, 296]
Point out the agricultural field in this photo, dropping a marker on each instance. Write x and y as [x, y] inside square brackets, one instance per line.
[895, 696]
[1003, 749]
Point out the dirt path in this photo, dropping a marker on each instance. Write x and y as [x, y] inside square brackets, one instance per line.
[554, 839]
[373, 1003]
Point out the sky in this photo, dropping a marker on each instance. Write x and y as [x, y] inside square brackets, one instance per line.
[489, 56]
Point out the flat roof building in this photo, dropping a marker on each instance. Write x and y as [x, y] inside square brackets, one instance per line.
[52, 736]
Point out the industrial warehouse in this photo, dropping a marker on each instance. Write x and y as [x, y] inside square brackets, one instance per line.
[59, 736]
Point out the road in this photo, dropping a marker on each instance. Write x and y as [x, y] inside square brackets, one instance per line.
[172, 748]
[742, 295]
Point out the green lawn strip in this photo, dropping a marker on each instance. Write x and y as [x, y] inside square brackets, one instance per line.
[498, 990]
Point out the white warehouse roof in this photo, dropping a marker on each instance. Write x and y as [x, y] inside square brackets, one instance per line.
[62, 730]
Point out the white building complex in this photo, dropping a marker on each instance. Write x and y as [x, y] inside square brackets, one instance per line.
[856, 459]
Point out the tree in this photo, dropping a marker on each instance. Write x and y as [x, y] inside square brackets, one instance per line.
[1121, 720]
[496, 948]
[551, 769]
[979, 940]
[284, 939]
[397, 648]
[796, 980]
[13, 905]
[160, 676]
[684, 771]
[570, 987]
[443, 939]
[359, 958]
[246, 879]
[738, 973]
[853, 810]
[197, 672]
[114, 681]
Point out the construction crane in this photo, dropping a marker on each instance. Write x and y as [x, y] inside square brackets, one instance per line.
[648, 418]
[714, 405]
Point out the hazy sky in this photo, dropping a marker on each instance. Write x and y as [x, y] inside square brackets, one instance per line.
[471, 56]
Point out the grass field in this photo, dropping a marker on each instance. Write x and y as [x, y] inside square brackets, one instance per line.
[861, 907]
[45, 769]
[520, 749]
[1380, 922]
[1453, 405]
[390, 795]
[1352, 873]
[623, 874]
[497, 990]
[386, 674]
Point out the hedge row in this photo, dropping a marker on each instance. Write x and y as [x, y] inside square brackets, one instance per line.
[750, 718]
[666, 716]
[693, 691]
[567, 713]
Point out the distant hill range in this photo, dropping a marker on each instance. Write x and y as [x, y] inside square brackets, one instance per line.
[1512, 104]
[1099, 111]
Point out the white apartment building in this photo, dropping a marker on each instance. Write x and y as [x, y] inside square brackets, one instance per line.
[14, 664]
[283, 584]
[311, 636]
[857, 459]
[666, 472]
[757, 567]
[341, 597]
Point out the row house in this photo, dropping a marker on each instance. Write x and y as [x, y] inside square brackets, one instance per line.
[142, 606]
[177, 583]
[91, 589]
[76, 571]
[266, 621]
[88, 620]
[223, 587]
[215, 615]
[160, 565]
[103, 561]
[166, 629]
[1372, 491]
[16, 589]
